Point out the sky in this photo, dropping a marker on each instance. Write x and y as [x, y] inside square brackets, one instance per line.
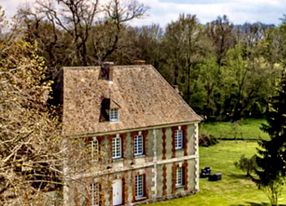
[165, 11]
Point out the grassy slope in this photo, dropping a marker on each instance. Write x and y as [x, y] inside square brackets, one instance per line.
[234, 189]
[243, 129]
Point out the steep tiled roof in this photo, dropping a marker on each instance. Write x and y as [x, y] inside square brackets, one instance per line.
[143, 96]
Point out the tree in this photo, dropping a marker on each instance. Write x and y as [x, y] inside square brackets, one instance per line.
[106, 34]
[221, 33]
[76, 17]
[248, 165]
[271, 157]
[246, 83]
[80, 20]
[185, 46]
[30, 154]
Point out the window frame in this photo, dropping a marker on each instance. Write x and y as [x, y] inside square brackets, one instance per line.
[138, 145]
[116, 147]
[139, 186]
[113, 115]
[95, 194]
[179, 176]
[94, 149]
[179, 139]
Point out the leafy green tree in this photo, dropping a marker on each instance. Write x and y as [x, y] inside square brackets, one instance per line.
[271, 157]
[246, 83]
[185, 45]
[247, 165]
[220, 31]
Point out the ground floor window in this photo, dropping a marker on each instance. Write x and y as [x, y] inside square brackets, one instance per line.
[179, 176]
[139, 186]
[95, 194]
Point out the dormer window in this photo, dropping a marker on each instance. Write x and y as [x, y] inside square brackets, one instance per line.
[113, 115]
[109, 111]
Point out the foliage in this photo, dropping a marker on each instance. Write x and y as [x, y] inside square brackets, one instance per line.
[29, 133]
[234, 188]
[206, 140]
[271, 158]
[224, 71]
[247, 165]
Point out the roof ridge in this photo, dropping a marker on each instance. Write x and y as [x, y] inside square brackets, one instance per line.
[115, 66]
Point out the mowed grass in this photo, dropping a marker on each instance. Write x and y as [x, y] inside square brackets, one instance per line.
[234, 188]
[248, 129]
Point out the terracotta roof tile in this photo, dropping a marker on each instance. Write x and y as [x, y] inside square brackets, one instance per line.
[144, 98]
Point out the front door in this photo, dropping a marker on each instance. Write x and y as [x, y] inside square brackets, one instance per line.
[117, 192]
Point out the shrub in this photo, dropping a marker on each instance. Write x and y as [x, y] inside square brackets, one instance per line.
[247, 165]
[207, 140]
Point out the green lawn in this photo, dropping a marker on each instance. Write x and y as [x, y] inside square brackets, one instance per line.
[235, 188]
[243, 129]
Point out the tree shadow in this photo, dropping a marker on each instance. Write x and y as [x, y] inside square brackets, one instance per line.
[239, 176]
[255, 204]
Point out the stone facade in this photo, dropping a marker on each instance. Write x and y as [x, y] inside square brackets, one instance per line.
[107, 111]
[158, 165]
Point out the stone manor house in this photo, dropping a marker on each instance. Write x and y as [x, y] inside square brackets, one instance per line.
[129, 135]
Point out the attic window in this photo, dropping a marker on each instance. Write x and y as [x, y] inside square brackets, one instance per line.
[104, 110]
[113, 115]
[108, 114]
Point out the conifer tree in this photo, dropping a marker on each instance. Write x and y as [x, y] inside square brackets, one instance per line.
[271, 158]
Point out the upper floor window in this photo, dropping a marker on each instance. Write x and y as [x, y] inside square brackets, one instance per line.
[179, 176]
[138, 145]
[116, 147]
[139, 186]
[113, 115]
[179, 139]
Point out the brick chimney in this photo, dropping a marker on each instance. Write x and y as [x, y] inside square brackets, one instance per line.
[106, 71]
[139, 61]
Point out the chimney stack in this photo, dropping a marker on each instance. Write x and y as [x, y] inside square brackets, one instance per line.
[106, 71]
[139, 61]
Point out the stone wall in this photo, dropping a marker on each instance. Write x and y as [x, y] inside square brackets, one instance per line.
[158, 163]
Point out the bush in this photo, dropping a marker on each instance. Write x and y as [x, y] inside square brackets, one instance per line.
[247, 165]
[207, 140]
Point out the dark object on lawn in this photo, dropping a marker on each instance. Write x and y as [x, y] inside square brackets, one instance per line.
[215, 177]
[205, 172]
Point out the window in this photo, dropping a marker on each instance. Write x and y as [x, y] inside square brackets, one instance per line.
[113, 115]
[94, 149]
[138, 145]
[179, 139]
[95, 194]
[179, 176]
[116, 147]
[139, 186]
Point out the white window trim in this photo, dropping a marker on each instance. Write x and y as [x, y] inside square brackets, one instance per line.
[95, 194]
[179, 139]
[116, 147]
[113, 115]
[139, 186]
[179, 176]
[138, 147]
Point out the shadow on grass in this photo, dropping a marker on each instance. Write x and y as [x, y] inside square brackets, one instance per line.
[239, 176]
[255, 204]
